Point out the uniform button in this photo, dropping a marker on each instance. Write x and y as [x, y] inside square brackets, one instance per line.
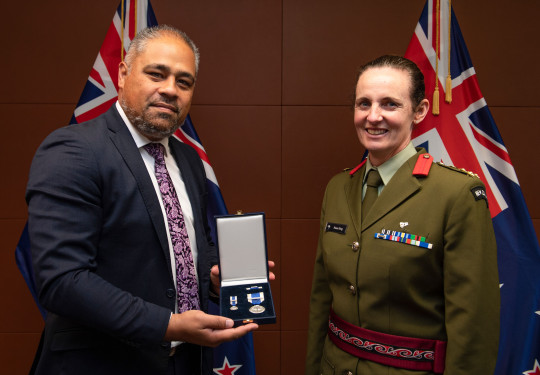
[347, 372]
[355, 246]
[352, 289]
[170, 293]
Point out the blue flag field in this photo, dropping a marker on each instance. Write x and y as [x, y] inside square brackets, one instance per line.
[462, 132]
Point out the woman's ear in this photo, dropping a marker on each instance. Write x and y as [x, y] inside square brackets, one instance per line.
[421, 111]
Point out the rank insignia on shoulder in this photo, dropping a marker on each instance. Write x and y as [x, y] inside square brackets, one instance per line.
[423, 165]
[460, 170]
[479, 193]
[336, 228]
[472, 174]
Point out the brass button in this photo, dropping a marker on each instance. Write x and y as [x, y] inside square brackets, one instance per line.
[355, 246]
[352, 289]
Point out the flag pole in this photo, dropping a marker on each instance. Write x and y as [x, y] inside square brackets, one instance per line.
[122, 15]
[136, 15]
[448, 91]
[437, 50]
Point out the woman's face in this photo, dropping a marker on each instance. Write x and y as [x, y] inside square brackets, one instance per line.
[384, 115]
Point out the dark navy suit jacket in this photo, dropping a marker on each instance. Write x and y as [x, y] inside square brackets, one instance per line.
[100, 250]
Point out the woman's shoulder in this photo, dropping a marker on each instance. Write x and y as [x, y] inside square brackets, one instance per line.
[453, 173]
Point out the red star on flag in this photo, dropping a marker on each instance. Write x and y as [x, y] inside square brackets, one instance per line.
[227, 369]
[535, 370]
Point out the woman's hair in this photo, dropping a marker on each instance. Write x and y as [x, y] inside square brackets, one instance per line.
[418, 88]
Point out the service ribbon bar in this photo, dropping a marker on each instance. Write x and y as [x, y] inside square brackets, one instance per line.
[410, 239]
[255, 298]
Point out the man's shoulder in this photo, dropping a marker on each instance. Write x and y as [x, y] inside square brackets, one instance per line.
[95, 124]
[111, 118]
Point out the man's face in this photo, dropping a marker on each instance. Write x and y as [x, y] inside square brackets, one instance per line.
[156, 92]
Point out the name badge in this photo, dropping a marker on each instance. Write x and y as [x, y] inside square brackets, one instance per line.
[336, 228]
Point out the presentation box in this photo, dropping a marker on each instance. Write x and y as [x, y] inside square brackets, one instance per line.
[245, 295]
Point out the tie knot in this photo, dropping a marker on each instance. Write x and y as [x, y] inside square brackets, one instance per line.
[155, 150]
[374, 178]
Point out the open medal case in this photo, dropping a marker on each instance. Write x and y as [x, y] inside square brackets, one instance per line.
[245, 294]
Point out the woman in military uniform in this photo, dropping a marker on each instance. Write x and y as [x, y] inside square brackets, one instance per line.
[405, 278]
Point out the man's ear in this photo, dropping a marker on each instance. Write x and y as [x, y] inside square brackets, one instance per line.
[122, 74]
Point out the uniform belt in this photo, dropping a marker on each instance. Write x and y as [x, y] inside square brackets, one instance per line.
[397, 351]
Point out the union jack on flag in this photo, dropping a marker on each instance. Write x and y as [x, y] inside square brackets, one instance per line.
[101, 89]
[464, 134]
[99, 94]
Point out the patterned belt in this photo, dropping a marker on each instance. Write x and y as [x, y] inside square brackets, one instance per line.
[397, 351]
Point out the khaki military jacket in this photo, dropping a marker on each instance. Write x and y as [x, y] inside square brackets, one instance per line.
[449, 292]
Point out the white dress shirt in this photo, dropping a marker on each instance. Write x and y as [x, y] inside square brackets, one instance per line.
[179, 186]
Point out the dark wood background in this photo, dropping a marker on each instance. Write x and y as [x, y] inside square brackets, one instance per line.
[271, 108]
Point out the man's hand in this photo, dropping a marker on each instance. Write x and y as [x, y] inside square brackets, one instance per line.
[198, 328]
[214, 276]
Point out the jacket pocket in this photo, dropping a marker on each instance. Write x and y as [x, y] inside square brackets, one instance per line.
[327, 368]
[74, 340]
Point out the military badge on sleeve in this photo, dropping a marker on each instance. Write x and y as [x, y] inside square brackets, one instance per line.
[478, 193]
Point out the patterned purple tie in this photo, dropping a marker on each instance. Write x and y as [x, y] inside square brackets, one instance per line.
[186, 281]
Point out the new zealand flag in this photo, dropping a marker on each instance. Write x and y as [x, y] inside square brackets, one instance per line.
[464, 134]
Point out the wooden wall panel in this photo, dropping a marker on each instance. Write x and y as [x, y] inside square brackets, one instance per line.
[267, 352]
[18, 351]
[240, 44]
[24, 126]
[300, 237]
[51, 48]
[502, 39]
[327, 41]
[244, 147]
[293, 352]
[318, 142]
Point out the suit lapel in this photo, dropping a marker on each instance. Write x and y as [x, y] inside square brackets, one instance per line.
[186, 171]
[402, 186]
[123, 141]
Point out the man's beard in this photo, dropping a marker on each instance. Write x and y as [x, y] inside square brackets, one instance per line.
[147, 125]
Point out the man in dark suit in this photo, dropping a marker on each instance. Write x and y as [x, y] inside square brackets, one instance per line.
[100, 234]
